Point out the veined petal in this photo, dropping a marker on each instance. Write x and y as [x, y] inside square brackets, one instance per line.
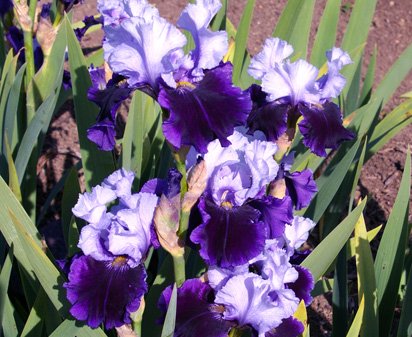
[293, 80]
[228, 237]
[322, 128]
[274, 51]
[209, 111]
[104, 292]
[196, 315]
[210, 46]
[142, 50]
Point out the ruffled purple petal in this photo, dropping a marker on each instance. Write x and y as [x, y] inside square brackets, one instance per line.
[275, 213]
[210, 110]
[303, 285]
[290, 327]
[269, 117]
[103, 134]
[322, 128]
[196, 314]
[104, 292]
[229, 237]
[301, 187]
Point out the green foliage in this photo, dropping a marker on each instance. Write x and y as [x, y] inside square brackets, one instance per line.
[29, 101]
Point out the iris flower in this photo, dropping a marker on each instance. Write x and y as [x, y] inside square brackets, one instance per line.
[195, 91]
[237, 215]
[291, 90]
[263, 301]
[107, 280]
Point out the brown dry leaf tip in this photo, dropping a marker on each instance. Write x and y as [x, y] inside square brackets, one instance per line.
[21, 10]
[166, 220]
[277, 188]
[196, 181]
[126, 331]
[46, 34]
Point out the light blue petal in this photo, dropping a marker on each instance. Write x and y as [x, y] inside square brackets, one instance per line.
[92, 205]
[274, 51]
[210, 46]
[91, 239]
[115, 11]
[120, 182]
[248, 299]
[293, 80]
[297, 232]
[143, 50]
[262, 165]
[332, 83]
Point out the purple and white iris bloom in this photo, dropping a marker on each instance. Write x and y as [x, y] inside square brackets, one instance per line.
[263, 300]
[108, 280]
[293, 89]
[237, 215]
[192, 89]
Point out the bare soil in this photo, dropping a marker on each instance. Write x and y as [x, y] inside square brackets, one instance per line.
[380, 178]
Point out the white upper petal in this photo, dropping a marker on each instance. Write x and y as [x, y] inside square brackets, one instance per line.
[274, 51]
[295, 80]
[210, 46]
[143, 50]
[297, 232]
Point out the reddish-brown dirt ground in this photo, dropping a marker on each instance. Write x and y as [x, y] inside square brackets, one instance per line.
[390, 32]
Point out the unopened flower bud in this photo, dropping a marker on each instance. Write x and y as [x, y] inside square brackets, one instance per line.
[166, 221]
